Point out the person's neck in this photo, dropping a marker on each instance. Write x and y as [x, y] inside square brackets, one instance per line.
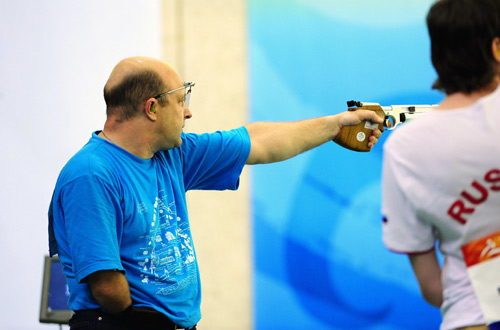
[129, 138]
[462, 100]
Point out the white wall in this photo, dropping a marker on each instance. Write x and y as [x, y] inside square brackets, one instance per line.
[55, 57]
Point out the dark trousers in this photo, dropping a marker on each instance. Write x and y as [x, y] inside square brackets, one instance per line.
[136, 319]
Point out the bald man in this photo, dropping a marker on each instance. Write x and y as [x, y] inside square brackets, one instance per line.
[118, 216]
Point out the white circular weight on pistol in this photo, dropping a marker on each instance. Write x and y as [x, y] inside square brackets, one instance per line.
[361, 136]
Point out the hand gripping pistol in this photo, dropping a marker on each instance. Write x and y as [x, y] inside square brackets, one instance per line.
[356, 137]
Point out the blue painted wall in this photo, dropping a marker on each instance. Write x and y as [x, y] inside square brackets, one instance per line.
[319, 261]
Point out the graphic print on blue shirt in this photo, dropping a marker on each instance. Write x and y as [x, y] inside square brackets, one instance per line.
[113, 210]
[168, 256]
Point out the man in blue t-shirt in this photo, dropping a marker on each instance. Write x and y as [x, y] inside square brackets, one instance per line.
[118, 218]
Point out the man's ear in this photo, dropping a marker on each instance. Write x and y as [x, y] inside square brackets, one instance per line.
[150, 108]
[495, 48]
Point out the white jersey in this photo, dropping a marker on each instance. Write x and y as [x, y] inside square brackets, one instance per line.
[441, 181]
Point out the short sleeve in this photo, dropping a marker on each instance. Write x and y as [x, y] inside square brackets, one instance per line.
[403, 231]
[93, 225]
[214, 161]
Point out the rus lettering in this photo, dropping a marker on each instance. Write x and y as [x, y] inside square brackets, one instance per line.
[477, 195]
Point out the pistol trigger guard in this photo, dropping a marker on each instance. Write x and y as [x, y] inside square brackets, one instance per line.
[390, 119]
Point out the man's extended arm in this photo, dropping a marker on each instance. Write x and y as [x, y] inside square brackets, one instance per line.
[274, 142]
[110, 289]
[428, 272]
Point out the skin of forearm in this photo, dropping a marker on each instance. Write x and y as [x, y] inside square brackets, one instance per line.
[278, 141]
[428, 272]
[435, 300]
[111, 290]
[433, 292]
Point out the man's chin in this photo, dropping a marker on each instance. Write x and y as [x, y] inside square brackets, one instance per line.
[178, 143]
[172, 145]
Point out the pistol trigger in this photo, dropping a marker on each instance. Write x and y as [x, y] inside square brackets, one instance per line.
[390, 122]
[387, 120]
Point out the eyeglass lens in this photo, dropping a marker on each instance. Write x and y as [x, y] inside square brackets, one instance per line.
[187, 97]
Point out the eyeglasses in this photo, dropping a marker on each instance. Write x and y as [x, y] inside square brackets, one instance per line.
[187, 86]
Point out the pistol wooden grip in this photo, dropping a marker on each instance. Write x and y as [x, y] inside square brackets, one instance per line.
[356, 137]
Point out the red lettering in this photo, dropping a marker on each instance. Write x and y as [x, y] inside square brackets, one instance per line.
[456, 210]
[493, 176]
[481, 189]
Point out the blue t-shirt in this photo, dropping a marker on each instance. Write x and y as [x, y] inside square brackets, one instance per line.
[113, 210]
